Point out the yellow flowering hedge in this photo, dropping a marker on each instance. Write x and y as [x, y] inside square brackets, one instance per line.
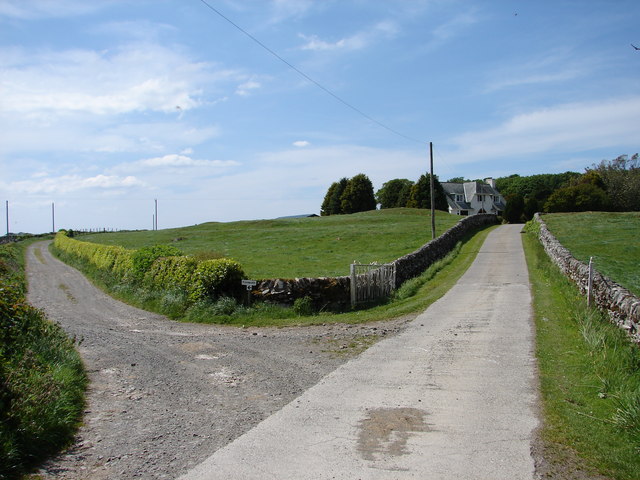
[198, 279]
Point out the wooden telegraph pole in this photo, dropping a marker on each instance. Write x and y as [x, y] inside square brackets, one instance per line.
[433, 204]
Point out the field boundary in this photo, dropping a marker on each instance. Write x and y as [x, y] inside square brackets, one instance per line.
[335, 292]
[623, 306]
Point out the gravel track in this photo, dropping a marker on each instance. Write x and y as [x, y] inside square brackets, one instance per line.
[164, 395]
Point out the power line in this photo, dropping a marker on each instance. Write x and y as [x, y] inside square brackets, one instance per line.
[307, 77]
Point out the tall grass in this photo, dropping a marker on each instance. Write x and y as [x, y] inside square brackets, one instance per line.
[42, 379]
[589, 377]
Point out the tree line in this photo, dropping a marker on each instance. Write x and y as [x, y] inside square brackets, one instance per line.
[611, 185]
[356, 194]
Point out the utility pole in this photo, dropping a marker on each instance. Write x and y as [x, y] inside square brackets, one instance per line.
[433, 207]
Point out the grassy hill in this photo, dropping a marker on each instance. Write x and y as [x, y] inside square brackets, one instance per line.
[611, 238]
[298, 247]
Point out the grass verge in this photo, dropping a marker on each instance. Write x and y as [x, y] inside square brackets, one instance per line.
[589, 380]
[414, 296]
[42, 379]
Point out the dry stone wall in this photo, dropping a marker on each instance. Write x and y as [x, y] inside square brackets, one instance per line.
[622, 305]
[334, 292]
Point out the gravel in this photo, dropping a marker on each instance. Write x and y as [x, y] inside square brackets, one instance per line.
[164, 395]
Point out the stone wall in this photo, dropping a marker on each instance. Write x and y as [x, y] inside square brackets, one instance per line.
[622, 305]
[334, 292]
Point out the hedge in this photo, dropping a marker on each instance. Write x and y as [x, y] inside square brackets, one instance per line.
[160, 267]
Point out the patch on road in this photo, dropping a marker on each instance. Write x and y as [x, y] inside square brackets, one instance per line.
[67, 292]
[385, 431]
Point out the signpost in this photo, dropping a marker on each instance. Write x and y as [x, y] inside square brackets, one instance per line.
[249, 284]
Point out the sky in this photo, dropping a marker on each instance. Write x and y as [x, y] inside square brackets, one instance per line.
[225, 110]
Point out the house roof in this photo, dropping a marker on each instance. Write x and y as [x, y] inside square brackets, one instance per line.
[469, 189]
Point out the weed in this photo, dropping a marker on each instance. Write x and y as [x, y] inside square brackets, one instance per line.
[303, 306]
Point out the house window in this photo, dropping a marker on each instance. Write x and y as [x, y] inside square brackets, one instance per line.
[459, 198]
[480, 198]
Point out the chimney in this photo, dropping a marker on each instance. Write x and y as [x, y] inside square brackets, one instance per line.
[490, 181]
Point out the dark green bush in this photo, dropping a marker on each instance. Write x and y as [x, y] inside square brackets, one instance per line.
[217, 278]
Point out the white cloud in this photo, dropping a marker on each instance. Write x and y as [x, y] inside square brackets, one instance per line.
[571, 128]
[71, 183]
[301, 143]
[284, 9]
[558, 66]
[49, 8]
[133, 78]
[245, 88]
[356, 41]
[174, 160]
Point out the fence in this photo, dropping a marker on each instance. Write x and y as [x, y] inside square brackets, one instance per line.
[371, 281]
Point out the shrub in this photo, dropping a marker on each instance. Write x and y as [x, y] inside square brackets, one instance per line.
[216, 278]
[143, 258]
[171, 273]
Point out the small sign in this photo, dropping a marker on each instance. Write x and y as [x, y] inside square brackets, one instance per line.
[249, 283]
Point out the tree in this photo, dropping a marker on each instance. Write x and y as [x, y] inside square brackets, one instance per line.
[514, 209]
[394, 193]
[331, 204]
[577, 198]
[621, 180]
[457, 180]
[584, 194]
[420, 196]
[324, 208]
[358, 195]
[531, 206]
[538, 187]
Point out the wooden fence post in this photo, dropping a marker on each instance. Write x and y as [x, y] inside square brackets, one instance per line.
[352, 275]
[590, 282]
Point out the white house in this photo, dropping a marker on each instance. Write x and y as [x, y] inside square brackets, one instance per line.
[469, 198]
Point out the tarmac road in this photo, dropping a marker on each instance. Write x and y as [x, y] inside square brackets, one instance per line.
[453, 396]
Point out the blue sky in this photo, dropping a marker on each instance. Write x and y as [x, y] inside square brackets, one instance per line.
[108, 105]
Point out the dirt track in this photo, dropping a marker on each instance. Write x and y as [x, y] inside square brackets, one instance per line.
[164, 395]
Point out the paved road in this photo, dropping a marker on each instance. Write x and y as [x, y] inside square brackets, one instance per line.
[452, 397]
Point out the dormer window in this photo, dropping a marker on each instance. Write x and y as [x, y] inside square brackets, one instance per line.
[459, 198]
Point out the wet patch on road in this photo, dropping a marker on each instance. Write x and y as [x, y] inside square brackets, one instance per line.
[385, 431]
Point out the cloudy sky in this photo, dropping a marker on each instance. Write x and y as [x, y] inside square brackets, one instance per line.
[108, 105]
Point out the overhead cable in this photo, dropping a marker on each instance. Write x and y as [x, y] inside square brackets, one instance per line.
[307, 77]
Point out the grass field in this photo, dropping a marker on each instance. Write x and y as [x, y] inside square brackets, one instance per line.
[613, 239]
[298, 247]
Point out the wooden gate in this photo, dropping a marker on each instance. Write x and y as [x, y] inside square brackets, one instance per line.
[371, 281]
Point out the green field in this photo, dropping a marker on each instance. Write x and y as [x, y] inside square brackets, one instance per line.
[613, 239]
[298, 247]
